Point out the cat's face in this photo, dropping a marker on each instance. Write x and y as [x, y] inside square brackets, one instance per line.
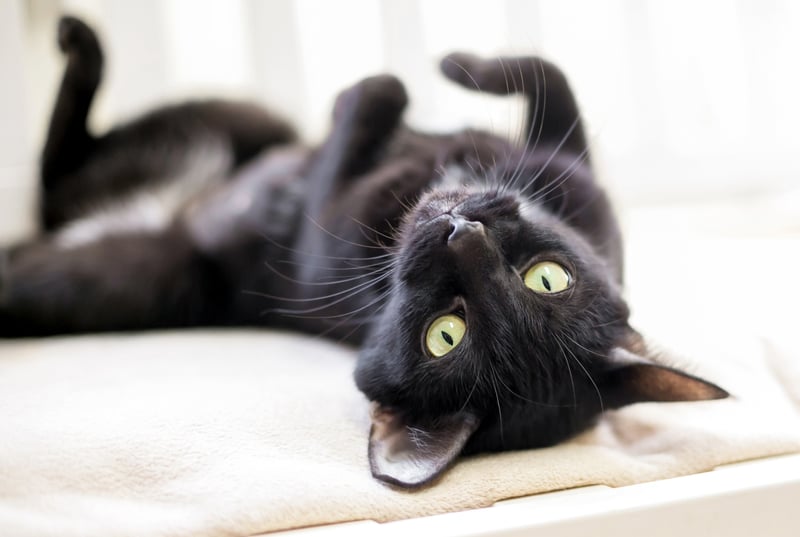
[501, 331]
[468, 266]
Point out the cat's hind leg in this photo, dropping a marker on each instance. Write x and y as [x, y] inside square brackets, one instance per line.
[123, 282]
[68, 140]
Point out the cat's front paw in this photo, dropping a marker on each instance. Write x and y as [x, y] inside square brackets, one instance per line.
[74, 35]
[502, 75]
[372, 98]
[465, 69]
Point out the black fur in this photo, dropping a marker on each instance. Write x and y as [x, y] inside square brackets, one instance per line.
[359, 239]
[80, 171]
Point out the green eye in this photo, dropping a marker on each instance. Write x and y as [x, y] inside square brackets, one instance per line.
[547, 277]
[444, 334]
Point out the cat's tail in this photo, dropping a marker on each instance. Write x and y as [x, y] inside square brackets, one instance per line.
[68, 139]
[553, 118]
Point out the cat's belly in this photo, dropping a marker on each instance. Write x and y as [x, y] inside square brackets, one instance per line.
[264, 199]
[154, 206]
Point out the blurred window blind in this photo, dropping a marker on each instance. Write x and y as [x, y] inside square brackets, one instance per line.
[684, 100]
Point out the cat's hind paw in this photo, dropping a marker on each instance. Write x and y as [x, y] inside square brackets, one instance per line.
[74, 35]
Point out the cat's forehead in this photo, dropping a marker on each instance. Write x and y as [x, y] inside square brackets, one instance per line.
[552, 229]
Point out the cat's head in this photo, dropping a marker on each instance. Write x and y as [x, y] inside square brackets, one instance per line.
[505, 328]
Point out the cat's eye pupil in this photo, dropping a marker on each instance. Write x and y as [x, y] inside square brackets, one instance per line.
[546, 283]
[447, 337]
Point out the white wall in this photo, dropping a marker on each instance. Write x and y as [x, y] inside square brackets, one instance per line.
[685, 99]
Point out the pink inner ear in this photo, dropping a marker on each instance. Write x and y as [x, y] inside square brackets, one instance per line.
[412, 455]
[638, 379]
[658, 383]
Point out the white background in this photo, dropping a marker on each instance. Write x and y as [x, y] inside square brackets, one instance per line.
[686, 100]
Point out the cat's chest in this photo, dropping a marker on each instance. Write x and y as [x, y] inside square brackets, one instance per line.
[264, 199]
[466, 158]
[453, 176]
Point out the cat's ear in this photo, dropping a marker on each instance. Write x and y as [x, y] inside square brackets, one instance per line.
[413, 454]
[635, 378]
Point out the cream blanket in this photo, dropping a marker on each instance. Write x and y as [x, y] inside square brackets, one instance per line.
[242, 432]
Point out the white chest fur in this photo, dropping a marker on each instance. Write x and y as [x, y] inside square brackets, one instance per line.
[155, 206]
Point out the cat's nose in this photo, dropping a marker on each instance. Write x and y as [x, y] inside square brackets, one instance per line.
[461, 227]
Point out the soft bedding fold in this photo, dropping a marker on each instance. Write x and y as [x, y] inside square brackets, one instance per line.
[243, 432]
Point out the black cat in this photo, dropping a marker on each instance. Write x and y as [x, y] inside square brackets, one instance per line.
[481, 277]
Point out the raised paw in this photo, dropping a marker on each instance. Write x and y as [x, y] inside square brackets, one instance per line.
[465, 69]
[85, 58]
[364, 118]
[382, 95]
[501, 75]
[74, 35]
[552, 116]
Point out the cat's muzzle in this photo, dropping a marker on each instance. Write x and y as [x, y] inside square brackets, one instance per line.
[469, 243]
[460, 228]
